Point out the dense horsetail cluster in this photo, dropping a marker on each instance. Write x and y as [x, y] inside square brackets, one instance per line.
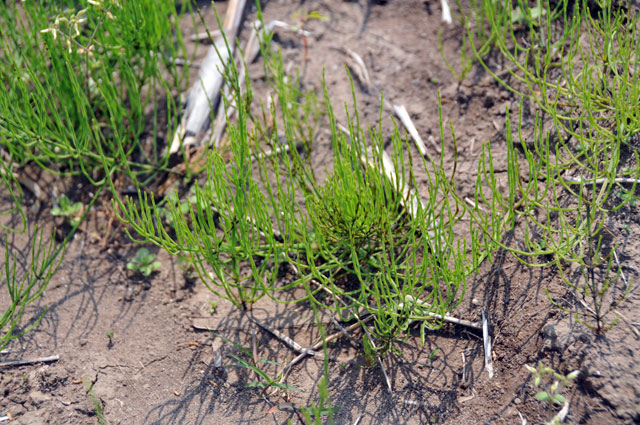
[92, 92]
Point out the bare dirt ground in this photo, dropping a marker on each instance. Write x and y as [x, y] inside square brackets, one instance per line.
[160, 365]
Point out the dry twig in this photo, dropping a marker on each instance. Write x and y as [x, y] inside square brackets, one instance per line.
[12, 363]
[289, 342]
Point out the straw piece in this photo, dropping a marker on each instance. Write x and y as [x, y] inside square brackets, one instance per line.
[446, 12]
[357, 65]
[488, 359]
[410, 200]
[206, 91]
[621, 180]
[202, 36]
[446, 317]
[561, 416]
[317, 345]
[402, 113]
[289, 342]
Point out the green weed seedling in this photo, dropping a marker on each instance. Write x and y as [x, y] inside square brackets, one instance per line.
[627, 197]
[71, 211]
[23, 288]
[144, 262]
[109, 335]
[95, 401]
[552, 383]
[316, 412]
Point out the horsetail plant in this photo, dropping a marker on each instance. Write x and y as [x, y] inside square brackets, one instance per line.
[78, 79]
[351, 238]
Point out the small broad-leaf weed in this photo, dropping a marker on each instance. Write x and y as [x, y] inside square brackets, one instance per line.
[144, 262]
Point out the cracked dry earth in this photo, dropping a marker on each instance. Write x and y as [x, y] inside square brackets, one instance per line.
[166, 362]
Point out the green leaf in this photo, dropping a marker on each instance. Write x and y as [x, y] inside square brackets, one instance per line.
[314, 14]
[64, 203]
[247, 365]
[76, 208]
[518, 16]
[559, 399]
[433, 353]
[325, 411]
[543, 396]
[286, 387]
[368, 350]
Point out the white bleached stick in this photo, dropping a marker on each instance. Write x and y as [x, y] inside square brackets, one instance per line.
[410, 199]
[446, 12]
[402, 113]
[488, 359]
[206, 90]
[357, 65]
[48, 359]
[445, 318]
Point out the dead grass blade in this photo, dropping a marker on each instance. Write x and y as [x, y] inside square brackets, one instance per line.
[404, 117]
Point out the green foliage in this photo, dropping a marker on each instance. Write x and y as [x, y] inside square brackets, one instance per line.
[81, 83]
[552, 384]
[13, 208]
[68, 210]
[25, 279]
[253, 364]
[78, 82]
[564, 164]
[95, 401]
[144, 262]
[315, 413]
[23, 287]
[360, 238]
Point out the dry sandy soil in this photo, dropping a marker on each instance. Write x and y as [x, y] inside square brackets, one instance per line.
[159, 368]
